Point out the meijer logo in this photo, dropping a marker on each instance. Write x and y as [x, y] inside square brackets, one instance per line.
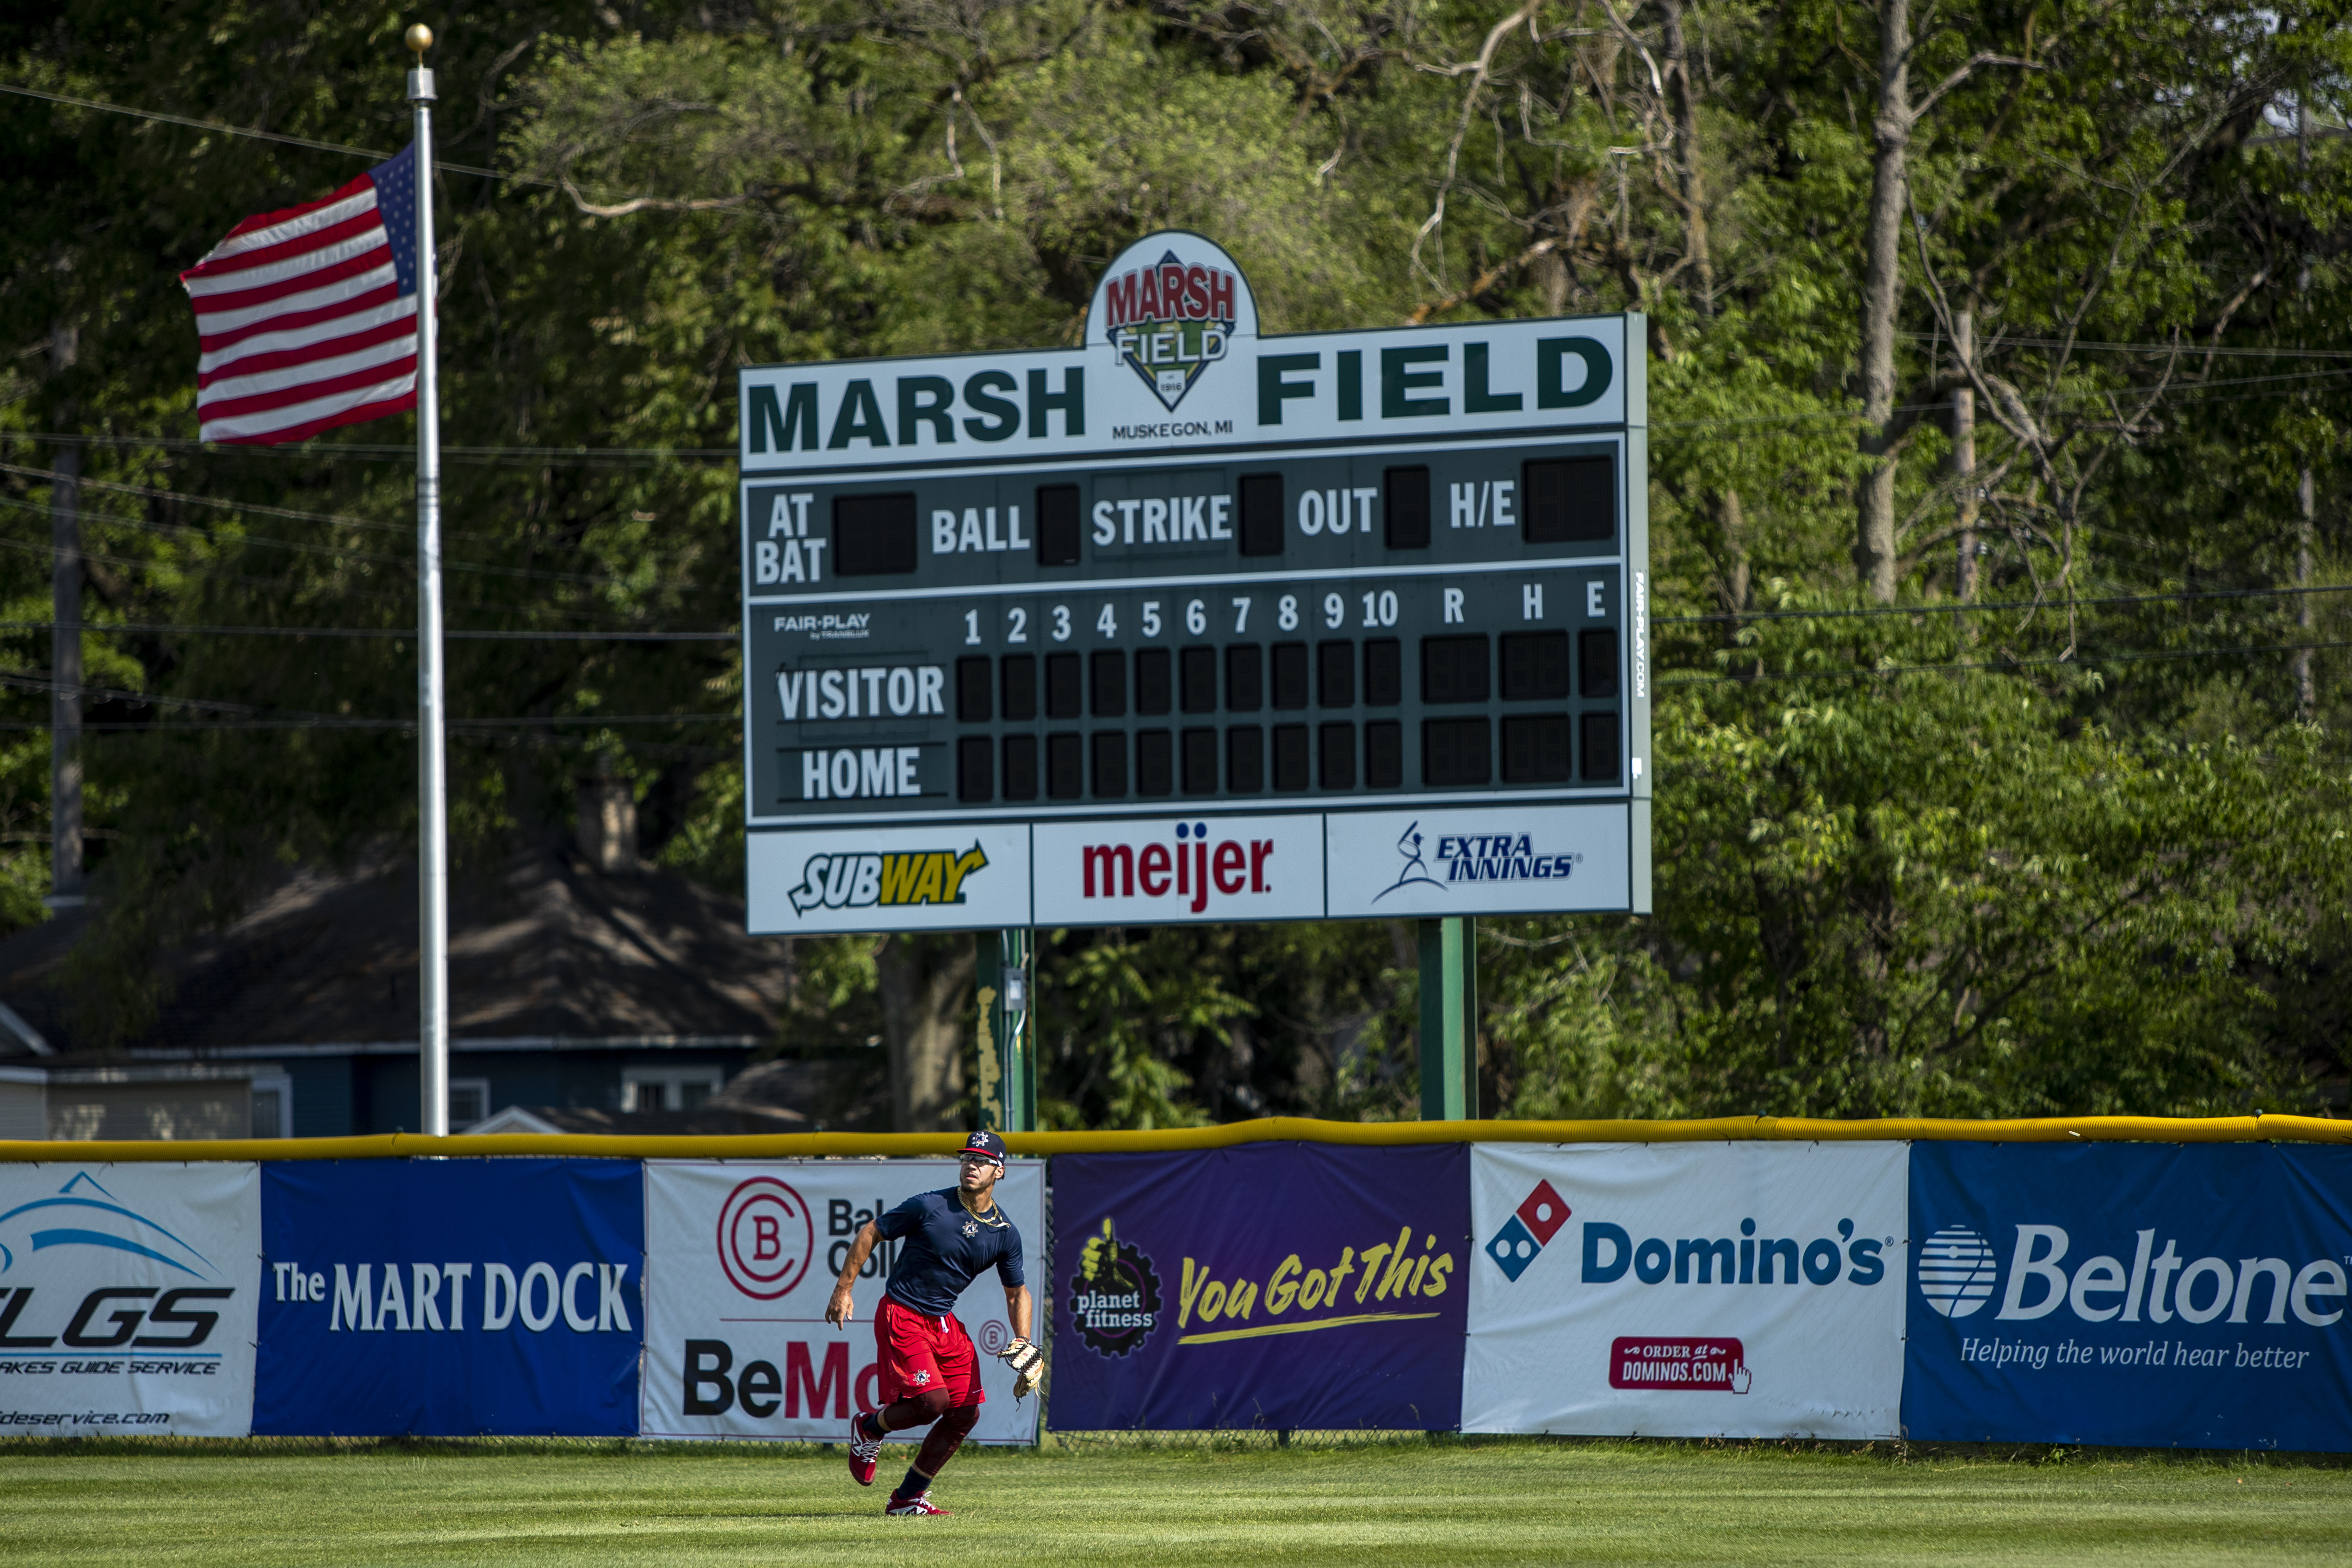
[1186, 870]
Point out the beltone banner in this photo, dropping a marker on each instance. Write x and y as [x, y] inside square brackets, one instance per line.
[1687, 1289]
[451, 1297]
[2142, 1294]
[127, 1297]
[743, 1257]
[1278, 1285]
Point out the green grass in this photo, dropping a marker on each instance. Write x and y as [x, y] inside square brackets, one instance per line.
[1353, 1505]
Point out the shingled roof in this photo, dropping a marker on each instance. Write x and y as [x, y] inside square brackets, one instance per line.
[547, 950]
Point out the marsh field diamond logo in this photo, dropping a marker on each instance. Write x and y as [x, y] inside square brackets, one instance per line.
[1169, 307]
[1956, 1270]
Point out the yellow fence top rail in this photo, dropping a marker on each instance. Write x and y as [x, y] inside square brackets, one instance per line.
[1268, 1129]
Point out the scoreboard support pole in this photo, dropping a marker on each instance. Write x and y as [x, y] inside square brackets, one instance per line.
[1007, 1053]
[1449, 1019]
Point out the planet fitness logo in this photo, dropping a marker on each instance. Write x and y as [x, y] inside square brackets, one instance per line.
[1114, 1296]
[1956, 1270]
[766, 1237]
[1528, 1230]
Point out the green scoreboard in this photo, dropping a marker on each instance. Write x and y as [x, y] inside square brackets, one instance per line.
[1190, 623]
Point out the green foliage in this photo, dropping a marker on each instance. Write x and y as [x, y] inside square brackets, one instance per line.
[2074, 855]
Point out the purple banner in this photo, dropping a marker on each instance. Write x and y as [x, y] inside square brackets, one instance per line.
[1278, 1285]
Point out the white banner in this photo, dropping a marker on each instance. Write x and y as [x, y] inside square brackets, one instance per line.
[1162, 871]
[889, 879]
[1687, 1289]
[740, 1258]
[1448, 860]
[127, 1296]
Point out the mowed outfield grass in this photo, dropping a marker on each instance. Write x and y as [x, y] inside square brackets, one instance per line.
[1360, 1505]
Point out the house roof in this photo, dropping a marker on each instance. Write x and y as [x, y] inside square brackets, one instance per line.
[545, 951]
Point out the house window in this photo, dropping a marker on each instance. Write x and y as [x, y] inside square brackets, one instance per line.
[273, 1106]
[469, 1101]
[667, 1089]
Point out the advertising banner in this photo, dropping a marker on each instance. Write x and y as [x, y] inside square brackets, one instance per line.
[2140, 1294]
[451, 1298]
[1443, 860]
[1279, 1285]
[127, 1298]
[1687, 1289]
[742, 1257]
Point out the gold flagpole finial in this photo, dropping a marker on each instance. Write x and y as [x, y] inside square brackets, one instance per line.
[420, 38]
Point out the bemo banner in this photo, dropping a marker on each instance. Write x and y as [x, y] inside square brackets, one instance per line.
[450, 1297]
[1687, 1289]
[127, 1297]
[742, 1257]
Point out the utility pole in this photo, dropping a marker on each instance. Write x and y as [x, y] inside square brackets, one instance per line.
[65, 656]
[431, 762]
[1449, 1019]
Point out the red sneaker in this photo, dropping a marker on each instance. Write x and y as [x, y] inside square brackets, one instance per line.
[863, 1452]
[906, 1507]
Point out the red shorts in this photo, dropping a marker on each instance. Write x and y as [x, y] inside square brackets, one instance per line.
[919, 1352]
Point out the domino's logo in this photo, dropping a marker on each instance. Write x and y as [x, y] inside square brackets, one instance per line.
[1528, 1230]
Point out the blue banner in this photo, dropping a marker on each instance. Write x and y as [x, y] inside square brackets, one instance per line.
[1273, 1285]
[2144, 1295]
[451, 1297]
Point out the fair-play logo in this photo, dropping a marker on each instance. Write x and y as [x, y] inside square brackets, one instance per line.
[767, 1234]
[1956, 1270]
[1528, 1230]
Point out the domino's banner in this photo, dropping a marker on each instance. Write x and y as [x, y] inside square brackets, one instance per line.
[450, 1297]
[127, 1298]
[1687, 1289]
[743, 1255]
[1281, 1285]
[2149, 1295]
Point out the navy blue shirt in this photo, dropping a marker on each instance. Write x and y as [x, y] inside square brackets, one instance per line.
[947, 1247]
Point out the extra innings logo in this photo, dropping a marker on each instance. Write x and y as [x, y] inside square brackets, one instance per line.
[1170, 322]
[1115, 1297]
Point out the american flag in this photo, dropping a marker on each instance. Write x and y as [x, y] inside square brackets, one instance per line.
[307, 318]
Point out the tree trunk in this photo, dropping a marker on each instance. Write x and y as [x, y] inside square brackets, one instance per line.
[1873, 543]
[1964, 451]
[1692, 173]
[2306, 689]
[927, 995]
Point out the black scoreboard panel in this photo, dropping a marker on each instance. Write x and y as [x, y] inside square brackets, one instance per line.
[1131, 637]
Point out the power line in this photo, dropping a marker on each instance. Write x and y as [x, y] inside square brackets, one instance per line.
[1864, 673]
[2186, 351]
[53, 478]
[335, 551]
[228, 130]
[408, 633]
[1969, 607]
[383, 450]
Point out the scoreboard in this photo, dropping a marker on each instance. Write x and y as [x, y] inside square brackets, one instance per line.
[1193, 624]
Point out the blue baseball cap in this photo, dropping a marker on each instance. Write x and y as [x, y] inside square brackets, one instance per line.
[986, 1144]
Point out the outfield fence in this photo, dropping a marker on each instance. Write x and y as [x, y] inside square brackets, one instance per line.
[2134, 1281]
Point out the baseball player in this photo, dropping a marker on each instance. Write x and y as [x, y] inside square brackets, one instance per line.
[930, 1371]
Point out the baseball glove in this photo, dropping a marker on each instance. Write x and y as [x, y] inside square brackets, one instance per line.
[1028, 1364]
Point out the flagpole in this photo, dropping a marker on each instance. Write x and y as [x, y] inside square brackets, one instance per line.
[432, 773]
